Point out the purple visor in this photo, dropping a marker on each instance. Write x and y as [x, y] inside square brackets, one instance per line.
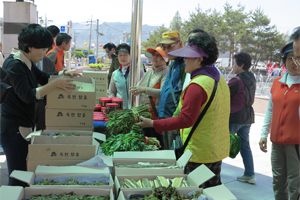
[190, 51]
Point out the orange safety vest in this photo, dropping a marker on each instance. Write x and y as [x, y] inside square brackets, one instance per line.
[59, 58]
[285, 119]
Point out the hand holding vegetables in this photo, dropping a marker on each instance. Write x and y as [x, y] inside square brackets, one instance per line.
[145, 122]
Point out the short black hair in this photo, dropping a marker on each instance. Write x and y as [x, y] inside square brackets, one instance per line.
[109, 46]
[54, 30]
[123, 46]
[243, 58]
[207, 43]
[284, 56]
[33, 35]
[62, 37]
[296, 34]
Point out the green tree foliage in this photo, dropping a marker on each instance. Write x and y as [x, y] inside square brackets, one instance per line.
[154, 38]
[237, 22]
[234, 30]
[176, 23]
[262, 40]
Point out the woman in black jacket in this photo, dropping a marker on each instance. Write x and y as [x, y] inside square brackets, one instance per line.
[18, 108]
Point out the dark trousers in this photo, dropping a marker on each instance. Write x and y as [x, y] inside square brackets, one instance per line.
[214, 167]
[15, 148]
[150, 132]
[39, 119]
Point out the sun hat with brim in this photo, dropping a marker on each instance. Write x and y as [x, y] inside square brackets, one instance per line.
[122, 49]
[170, 37]
[288, 49]
[190, 51]
[150, 51]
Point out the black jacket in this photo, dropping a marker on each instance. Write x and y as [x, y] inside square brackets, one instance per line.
[246, 114]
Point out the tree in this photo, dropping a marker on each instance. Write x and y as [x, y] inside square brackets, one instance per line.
[209, 21]
[237, 22]
[155, 38]
[262, 40]
[176, 23]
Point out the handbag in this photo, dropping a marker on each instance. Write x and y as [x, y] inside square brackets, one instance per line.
[235, 145]
[177, 145]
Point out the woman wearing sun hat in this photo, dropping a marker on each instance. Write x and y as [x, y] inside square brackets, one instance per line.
[210, 140]
[149, 87]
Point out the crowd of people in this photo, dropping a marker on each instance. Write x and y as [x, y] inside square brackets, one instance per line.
[186, 93]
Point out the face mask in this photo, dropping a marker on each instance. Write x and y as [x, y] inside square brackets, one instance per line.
[107, 53]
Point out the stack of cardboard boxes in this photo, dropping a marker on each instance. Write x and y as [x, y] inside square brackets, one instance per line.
[100, 80]
[72, 111]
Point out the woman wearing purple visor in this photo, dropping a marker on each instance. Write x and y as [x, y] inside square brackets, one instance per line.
[207, 93]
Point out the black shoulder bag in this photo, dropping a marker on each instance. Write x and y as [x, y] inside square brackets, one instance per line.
[179, 150]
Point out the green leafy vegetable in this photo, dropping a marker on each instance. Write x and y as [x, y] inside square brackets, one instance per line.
[131, 141]
[67, 196]
[69, 182]
[121, 121]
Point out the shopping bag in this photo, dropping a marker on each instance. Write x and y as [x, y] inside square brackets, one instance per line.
[178, 147]
[235, 145]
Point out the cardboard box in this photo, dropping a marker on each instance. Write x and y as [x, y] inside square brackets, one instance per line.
[62, 151]
[84, 137]
[58, 155]
[200, 175]
[164, 156]
[55, 171]
[77, 128]
[99, 76]
[19, 193]
[69, 117]
[123, 194]
[83, 97]
[219, 192]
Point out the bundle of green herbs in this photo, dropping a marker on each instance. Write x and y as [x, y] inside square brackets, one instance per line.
[132, 141]
[66, 196]
[69, 182]
[170, 193]
[121, 121]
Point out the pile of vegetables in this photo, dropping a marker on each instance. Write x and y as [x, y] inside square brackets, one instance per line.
[67, 196]
[69, 182]
[164, 193]
[121, 121]
[132, 141]
[97, 66]
[158, 182]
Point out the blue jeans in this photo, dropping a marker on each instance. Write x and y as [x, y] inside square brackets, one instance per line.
[242, 130]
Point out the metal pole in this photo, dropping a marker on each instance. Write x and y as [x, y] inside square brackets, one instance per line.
[97, 43]
[135, 48]
[90, 34]
[46, 21]
[69, 52]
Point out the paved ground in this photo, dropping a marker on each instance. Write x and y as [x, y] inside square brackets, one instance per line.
[231, 168]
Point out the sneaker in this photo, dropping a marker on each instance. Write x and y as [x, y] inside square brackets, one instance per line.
[249, 179]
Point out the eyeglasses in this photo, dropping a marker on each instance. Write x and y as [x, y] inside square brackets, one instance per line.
[156, 55]
[296, 61]
[170, 46]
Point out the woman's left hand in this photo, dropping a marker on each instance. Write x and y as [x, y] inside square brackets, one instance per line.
[145, 122]
[71, 74]
[137, 90]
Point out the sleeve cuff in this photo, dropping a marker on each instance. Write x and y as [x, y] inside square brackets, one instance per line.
[37, 93]
[61, 73]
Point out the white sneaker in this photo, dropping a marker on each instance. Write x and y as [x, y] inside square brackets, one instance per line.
[248, 179]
